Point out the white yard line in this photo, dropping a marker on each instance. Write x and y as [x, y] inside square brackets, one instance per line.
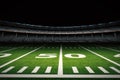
[89, 69]
[102, 56]
[8, 69]
[60, 65]
[57, 76]
[103, 69]
[35, 70]
[115, 69]
[75, 70]
[48, 70]
[22, 69]
[8, 50]
[111, 49]
[18, 58]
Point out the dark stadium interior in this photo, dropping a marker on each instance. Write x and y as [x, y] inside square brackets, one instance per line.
[60, 22]
[60, 13]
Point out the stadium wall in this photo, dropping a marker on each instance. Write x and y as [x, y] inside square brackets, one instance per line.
[27, 37]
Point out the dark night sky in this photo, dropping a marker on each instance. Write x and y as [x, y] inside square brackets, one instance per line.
[60, 13]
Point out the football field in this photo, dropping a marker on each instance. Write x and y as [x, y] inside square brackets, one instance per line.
[60, 61]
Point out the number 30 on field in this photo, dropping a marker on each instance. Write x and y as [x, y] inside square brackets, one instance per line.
[47, 55]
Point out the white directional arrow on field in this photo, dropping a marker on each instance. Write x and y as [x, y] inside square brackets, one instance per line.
[117, 55]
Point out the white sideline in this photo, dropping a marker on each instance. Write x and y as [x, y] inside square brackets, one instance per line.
[89, 69]
[22, 69]
[35, 70]
[115, 69]
[8, 69]
[18, 58]
[57, 76]
[48, 70]
[112, 49]
[103, 69]
[60, 65]
[101, 56]
[75, 70]
[8, 50]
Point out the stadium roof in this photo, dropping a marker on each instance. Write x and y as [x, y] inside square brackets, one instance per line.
[90, 26]
[38, 29]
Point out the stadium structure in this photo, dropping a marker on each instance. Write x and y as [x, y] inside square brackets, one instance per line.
[18, 32]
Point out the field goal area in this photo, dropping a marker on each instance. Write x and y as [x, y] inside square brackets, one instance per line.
[60, 61]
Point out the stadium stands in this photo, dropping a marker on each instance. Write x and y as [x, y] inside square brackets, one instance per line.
[18, 32]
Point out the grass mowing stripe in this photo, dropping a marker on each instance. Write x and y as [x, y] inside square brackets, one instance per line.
[60, 66]
[18, 58]
[101, 56]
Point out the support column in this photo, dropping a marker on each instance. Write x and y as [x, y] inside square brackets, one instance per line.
[102, 35]
[115, 35]
[2, 34]
[16, 35]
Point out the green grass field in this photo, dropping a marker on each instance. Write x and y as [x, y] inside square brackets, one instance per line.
[60, 61]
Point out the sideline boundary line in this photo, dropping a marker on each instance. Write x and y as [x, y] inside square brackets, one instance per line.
[57, 76]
